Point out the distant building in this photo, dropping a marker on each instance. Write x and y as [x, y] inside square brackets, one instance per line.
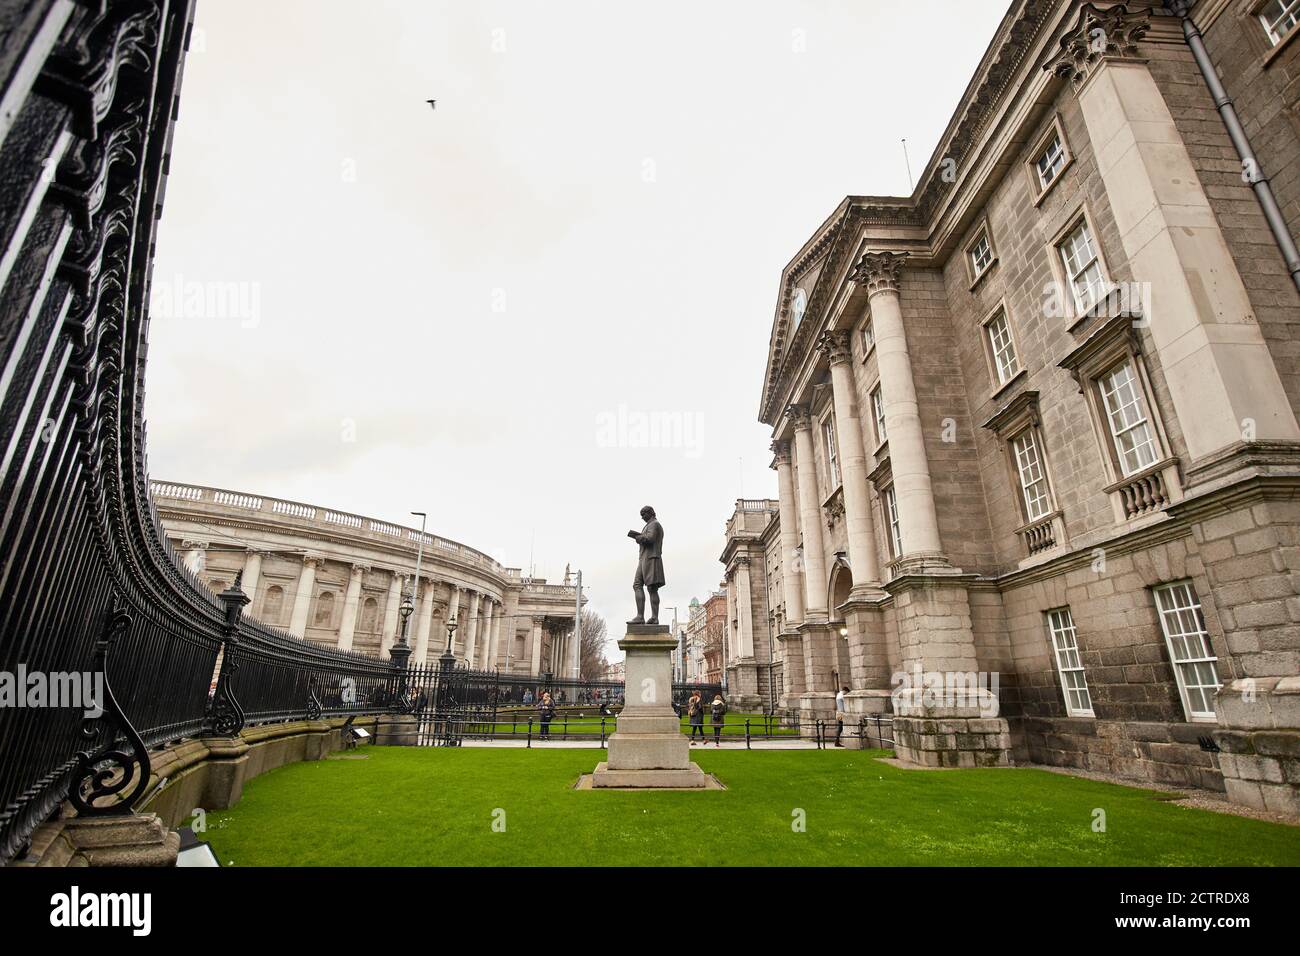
[338, 579]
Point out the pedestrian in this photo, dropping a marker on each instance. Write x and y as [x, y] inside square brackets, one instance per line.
[528, 696]
[839, 715]
[546, 712]
[695, 713]
[719, 712]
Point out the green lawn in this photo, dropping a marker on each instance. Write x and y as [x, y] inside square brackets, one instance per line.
[431, 806]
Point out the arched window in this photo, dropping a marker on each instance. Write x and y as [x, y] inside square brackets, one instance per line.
[324, 609]
[273, 604]
[370, 616]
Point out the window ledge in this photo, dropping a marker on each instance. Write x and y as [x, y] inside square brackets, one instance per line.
[1275, 50]
[1017, 379]
[987, 269]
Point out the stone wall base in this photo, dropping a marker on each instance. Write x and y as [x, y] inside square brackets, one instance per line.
[953, 741]
[1156, 752]
[135, 839]
[1259, 736]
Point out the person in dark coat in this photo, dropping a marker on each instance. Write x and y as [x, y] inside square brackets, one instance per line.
[718, 710]
[695, 712]
[546, 713]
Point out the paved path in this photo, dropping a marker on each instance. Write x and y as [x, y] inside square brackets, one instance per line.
[595, 745]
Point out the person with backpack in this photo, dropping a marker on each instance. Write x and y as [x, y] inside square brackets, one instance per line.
[695, 713]
[718, 709]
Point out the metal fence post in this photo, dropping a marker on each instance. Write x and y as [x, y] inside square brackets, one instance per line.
[747, 747]
[530, 732]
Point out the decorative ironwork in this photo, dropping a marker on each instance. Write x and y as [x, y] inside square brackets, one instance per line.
[112, 769]
[314, 709]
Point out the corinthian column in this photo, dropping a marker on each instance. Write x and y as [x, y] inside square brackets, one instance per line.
[744, 610]
[489, 645]
[879, 272]
[302, 596]
[537, 647]
[424, 624]
[252, 573]
[853, 461]
[348, 626]
[471, 633]
[789, 533]
[814, 557]
[391, 606]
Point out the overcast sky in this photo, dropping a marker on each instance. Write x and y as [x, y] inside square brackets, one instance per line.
[471, 308]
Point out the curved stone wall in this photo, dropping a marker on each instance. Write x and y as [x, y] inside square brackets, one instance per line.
[337, 579]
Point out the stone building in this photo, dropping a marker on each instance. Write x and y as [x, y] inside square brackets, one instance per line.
[706, 638]
[338, 579]
[1035, 424]
[751, 558]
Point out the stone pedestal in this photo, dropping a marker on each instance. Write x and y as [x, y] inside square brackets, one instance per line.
[648, 749]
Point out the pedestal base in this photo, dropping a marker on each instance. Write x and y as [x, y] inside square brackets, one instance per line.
[648, 749]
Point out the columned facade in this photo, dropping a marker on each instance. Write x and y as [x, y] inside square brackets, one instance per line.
[1034, 425]
[339, 580]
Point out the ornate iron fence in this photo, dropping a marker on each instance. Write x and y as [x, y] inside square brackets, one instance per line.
[89, 587]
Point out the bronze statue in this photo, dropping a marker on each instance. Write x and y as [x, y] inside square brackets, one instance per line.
[649, 566]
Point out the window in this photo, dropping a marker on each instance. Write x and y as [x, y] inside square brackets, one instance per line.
[1195, 665]
[878, 412]
[1033, 479]
[1083, 269]
[273, 604]
[891, 517]
[1005, 362]
[1279, 18]
[868, 338]
[981, 254]
[1126, 416]
[324, 609]
[1065, 644]
[370, 616]
[1050, 160]
[832, 453]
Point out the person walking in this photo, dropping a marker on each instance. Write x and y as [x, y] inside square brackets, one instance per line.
[839, 715]
[718, 710]
[546, 713]
[695, 713]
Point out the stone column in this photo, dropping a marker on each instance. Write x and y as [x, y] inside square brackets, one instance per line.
[392, 619]
[494, 649]
[863, 561]
[303, 595]
[424, 623]
[471, 631]
[536, 649]
[251, 576]
[489, 644]
[744, 609]
[352, 598]
[810, 516]
[789, 534]
[1221, 376]
[880, 273]
[817, 702]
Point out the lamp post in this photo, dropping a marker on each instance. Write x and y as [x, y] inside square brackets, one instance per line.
[444, 702]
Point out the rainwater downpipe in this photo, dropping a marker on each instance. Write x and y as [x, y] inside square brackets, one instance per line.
[1254, 172]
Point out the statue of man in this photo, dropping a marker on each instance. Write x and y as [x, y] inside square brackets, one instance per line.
[649, 566]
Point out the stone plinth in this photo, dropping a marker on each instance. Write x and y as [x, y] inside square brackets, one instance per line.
[648, 748]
